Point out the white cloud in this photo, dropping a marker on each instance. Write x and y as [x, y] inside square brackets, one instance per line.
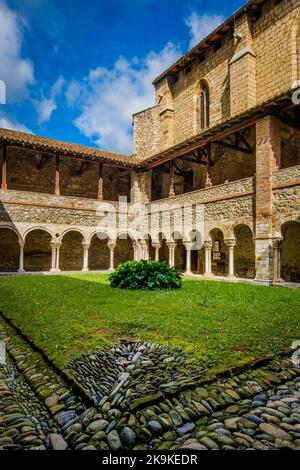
[16, 71]
[73, 93]
[107, 98]
[201, 25]
[46, 106]
[8, 123]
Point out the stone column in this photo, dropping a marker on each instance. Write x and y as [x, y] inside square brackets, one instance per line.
[111, 246]
[21, 257]
[58, 245]
[171, 246]
[86, 247]
[268, 155]
[156, 246]
[135, 251]
[53, 258]
[208, 249]
[188, 246]
[277, 247]
[172, 179]
[231, 244]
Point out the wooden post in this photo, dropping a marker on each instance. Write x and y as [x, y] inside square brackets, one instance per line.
[4, 169]
[100, 183]
[57, 177]
[172, 183]
[208, 182]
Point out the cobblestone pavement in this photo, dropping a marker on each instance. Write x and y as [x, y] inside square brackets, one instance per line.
[144, 398]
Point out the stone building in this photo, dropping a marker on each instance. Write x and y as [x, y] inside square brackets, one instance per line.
[222, 144]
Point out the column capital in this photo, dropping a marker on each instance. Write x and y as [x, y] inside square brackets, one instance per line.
[56, 244]
[21, 243]
[277, 243]
[86, 245]
[208, 245]
[112, 245]
[230, 243]
[171, 244]
[156, 245]
[188, 245]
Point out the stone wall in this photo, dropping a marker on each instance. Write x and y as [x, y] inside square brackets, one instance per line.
[146, 132]
[249, 68]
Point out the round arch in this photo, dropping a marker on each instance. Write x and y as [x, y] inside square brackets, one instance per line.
[244, 252]
[163, 250]
[9, 249]
[290, 253]
[72, 229]
[220, 258]
[38, 227]
[71, 250]
[124, 248]
[180, 251]
[99, 253]
[37, 250]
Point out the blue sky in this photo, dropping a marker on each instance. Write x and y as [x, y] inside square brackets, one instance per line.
[76, 70]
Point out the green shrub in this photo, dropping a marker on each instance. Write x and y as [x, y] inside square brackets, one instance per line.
[145, 275]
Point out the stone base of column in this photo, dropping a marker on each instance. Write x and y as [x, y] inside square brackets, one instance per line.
[231, 277]
[263, 282]
[85, 270]
[187, 273]
[21, 271]
[278, 281]
[209, 275]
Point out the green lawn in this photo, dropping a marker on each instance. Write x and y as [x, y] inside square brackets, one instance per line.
[222, 324]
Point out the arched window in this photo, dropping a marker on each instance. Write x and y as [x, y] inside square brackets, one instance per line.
[203, 106]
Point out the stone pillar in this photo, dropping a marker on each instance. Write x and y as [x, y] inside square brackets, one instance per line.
[156, 246]
[55, 246]
[188, 246]
[86, 247]
[111, 246]
[58, 245]
[277, 247]
[231, 244]
[144, 251]
[21, 257]
[140, 187]
[171, 246]
[268, 154]
[136, 251]
[208, 250]
[172, 179]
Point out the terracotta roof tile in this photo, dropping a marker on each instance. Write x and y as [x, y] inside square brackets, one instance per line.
[45, 144]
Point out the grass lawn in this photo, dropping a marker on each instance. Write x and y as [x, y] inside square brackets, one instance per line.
[222, 324]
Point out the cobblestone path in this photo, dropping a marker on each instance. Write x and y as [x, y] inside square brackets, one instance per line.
[143, 398]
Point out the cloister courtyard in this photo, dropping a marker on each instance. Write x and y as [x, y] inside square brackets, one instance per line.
[222, 324]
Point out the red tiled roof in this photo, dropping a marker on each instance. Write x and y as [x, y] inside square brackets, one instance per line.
[44, 144]
[214, 36]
